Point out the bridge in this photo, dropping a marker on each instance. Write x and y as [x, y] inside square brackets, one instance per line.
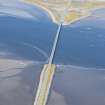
[47, 74]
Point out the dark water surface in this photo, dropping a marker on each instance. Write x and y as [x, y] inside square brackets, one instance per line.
[82, 43]
[25, 38]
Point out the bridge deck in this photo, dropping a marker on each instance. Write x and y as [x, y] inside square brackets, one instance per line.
[47, 74]
[46, 78]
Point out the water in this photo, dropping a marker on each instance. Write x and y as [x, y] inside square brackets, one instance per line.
[19, 85]
[78, 81]
[83, 44]
[80, 44]
[78, 86]
[23, 40]
[26, 39]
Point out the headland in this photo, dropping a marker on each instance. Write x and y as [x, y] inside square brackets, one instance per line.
[65, 11]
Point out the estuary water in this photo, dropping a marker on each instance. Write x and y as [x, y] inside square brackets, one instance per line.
[81, 43]
[80, 55]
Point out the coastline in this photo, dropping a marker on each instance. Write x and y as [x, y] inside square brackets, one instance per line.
[53, 17]
[44, 9]
[78, 19]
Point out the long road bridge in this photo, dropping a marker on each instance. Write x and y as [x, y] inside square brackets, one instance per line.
[47, 74]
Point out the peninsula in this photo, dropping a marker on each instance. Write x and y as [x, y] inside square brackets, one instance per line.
[66, 11]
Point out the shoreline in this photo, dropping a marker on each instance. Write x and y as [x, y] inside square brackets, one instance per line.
[53, 17]
[76, 20]
[50, 14]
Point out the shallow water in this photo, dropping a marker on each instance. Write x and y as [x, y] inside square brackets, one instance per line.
[18, 86]
[78, 86]
[83, 43]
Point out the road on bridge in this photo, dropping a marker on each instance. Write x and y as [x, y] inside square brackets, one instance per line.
[47, 74]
